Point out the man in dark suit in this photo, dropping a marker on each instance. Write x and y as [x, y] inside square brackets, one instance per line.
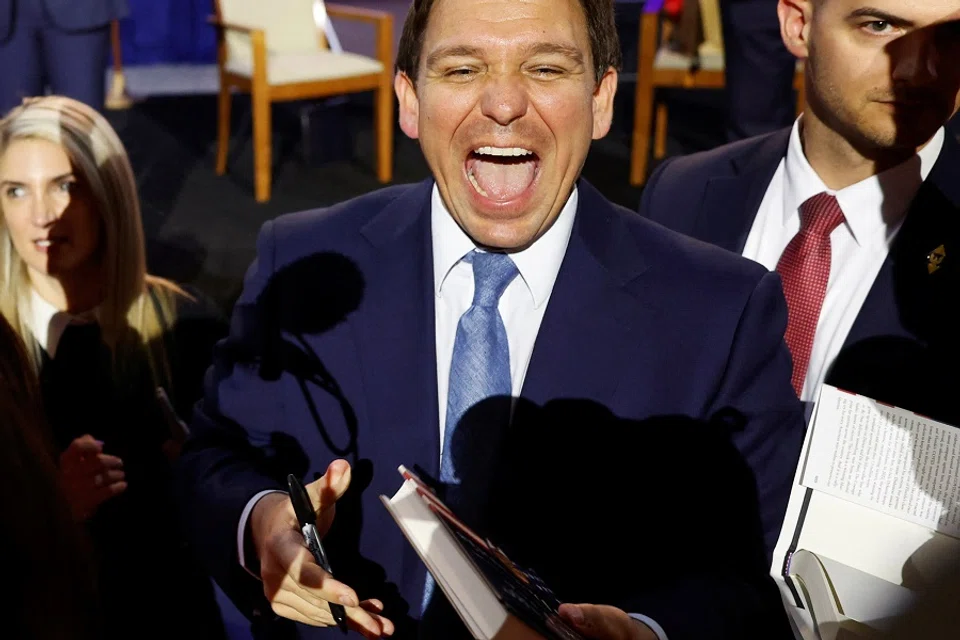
[880, 85]
[863, 190]
[57, 44]
[643, 375]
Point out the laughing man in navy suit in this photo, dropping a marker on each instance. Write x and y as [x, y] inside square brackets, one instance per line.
[652, 432]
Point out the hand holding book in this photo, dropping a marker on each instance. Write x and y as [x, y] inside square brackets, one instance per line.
[602, 622]
[495, 598]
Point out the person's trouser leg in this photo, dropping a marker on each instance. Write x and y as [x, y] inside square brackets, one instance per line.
[759, 69]
[21, 74]
[76, 63]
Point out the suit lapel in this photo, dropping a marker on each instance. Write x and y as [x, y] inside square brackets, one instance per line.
[730, 203]
[909, 286]
[580, 348]
[396, 334]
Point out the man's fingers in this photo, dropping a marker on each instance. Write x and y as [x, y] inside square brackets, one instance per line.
[306, 591]
[292, 607]
[328, 488]
[372, 605]
[371, 625]
[320, 590]
[320, 584]
[600, 622]
[309, 581]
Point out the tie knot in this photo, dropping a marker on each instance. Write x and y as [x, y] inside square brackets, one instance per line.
[820, 215]
[492, 272]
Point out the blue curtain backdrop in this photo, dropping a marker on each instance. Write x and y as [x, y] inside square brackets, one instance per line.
[168, 32]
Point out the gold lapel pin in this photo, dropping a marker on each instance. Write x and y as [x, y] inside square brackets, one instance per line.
[935, 258]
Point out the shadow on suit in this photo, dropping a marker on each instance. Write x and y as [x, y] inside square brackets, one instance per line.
[916, 371]
[548, 490]
[282, 320]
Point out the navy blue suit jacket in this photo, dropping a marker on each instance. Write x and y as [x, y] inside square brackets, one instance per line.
[650, 456]
[902, 346]
[69, 15]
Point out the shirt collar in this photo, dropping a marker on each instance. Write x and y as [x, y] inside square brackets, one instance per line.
[538, 264]
[879, 201]
[47, 323]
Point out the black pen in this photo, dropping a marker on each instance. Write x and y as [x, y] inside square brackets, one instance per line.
[307, 518]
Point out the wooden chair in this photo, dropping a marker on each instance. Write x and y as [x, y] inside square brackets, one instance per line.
[117, 97]
[283, 50]
[661, 67]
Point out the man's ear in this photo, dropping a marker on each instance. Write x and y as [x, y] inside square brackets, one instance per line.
[795, 17]
[409, 105]
[603, 103]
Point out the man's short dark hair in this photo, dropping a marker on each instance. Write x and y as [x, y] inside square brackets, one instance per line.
[601, 27]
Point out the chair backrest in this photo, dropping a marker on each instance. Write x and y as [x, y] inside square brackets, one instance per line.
[698, 31]
[291, 26]
[712, 28]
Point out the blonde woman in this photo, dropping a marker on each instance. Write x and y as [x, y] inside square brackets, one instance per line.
[104, 336]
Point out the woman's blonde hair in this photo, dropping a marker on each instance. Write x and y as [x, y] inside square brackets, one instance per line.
[133, 299]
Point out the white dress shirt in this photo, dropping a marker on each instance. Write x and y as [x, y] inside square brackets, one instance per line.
[873, 210]
[523, 301]
[47, 323]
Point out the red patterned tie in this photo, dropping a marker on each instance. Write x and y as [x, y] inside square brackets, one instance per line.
[804, 268]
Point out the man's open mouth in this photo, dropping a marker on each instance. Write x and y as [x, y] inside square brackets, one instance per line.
[501, 173]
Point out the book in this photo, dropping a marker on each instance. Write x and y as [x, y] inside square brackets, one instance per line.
[495, 598]
[874, 516]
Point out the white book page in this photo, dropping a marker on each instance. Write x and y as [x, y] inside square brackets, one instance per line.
[891, 460]
[463, 584]
[864, 539]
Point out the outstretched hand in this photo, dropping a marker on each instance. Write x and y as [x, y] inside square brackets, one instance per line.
[295, 585]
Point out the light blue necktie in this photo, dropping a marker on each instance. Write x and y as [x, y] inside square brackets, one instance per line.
[480, 367]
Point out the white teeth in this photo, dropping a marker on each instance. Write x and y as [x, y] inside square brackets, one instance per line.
[504, 151]
[476, 186]
[43, 243]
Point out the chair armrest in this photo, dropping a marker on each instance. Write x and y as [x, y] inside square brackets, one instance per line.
[372, 16]
[382, 20]
[221, 25]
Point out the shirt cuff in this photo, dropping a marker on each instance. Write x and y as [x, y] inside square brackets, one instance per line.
[650, 622]
[242, 528]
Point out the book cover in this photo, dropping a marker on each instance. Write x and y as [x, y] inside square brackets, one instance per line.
[495, 598]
